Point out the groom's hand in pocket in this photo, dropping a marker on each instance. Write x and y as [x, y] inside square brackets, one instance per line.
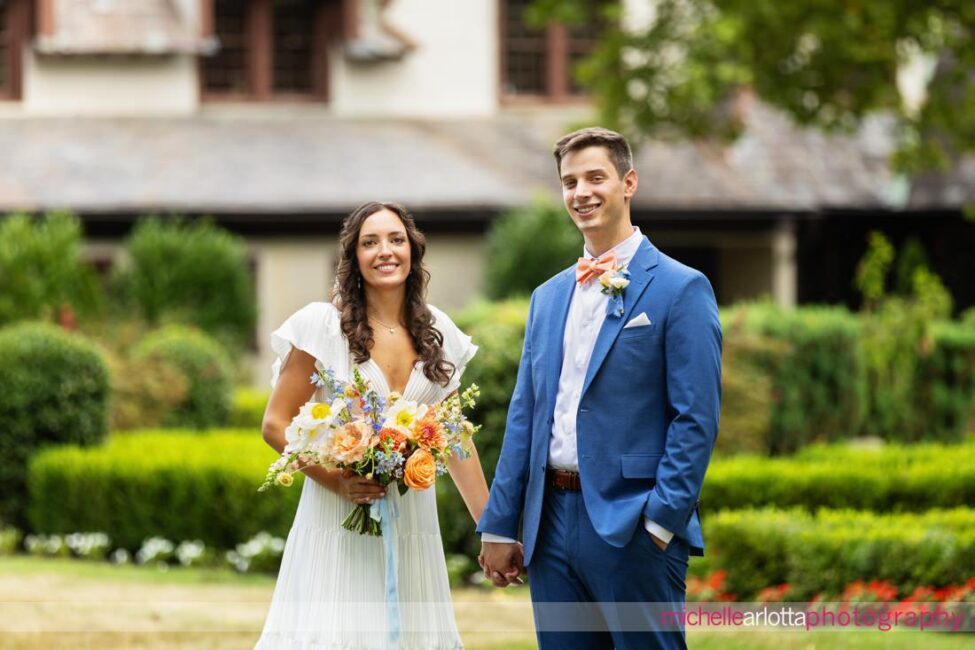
[661, 544]
[502, 562]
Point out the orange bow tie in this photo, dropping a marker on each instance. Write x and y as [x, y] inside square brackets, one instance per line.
[587, 269]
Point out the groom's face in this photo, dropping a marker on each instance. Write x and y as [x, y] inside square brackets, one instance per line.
[593, 192]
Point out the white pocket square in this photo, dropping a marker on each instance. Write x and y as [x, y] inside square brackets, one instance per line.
[639, 321]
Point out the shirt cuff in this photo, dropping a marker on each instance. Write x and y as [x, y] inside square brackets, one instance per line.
[497, 539]
[655, 529]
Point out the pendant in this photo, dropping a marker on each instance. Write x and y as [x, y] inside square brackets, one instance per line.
[391, 330]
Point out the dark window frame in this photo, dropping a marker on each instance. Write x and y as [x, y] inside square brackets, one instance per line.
[259, 53]
[557, 66]
[17, 17]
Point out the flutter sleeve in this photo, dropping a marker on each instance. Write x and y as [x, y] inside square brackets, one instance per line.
[314, 329]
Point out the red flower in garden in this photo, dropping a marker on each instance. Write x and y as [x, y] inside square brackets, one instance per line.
[774, 594]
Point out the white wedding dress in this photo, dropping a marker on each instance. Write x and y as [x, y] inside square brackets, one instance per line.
[331, 589]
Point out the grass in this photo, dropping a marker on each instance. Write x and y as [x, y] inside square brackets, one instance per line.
[51, 603]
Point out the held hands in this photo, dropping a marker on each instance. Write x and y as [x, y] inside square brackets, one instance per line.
[502, 562]
[357, 489]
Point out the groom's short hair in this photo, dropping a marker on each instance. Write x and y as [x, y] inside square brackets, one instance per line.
[615, 144]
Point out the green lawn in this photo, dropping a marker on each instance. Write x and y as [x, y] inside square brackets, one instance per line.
[69, 603]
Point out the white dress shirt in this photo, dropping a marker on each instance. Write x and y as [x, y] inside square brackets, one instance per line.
[587, 311]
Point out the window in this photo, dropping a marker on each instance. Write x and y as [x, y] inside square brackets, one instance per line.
[293, 46]
[226, 71]
[4, 47]
[539, 63]
[270, 48]
[14, 29]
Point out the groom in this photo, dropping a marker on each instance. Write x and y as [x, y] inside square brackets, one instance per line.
[611, 425]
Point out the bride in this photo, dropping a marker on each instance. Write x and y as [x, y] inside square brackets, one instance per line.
[331, 590]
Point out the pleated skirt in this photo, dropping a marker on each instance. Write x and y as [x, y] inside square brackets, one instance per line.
[331, 589]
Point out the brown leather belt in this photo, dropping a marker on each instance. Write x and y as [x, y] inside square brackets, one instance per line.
[561, 479]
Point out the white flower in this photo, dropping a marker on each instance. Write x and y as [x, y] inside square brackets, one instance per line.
[403, 414]
[619, 282]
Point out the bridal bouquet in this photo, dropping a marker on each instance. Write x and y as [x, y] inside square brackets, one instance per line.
[388, 440]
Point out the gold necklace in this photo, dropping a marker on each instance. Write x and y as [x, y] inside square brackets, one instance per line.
[392, 329]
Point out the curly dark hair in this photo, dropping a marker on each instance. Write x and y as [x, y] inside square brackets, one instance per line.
[349, 295]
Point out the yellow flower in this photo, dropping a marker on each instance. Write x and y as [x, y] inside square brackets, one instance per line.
[321, 411]
[285, 479]
[404, 418]
[393, 396]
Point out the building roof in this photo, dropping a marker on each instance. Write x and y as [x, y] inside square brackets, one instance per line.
[303, 160]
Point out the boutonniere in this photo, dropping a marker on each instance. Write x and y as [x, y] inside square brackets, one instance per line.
[613, 284]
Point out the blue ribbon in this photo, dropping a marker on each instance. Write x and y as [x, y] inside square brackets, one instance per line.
[614, 307]
[388, 511]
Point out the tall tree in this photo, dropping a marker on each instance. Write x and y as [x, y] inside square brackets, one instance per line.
[679, 70]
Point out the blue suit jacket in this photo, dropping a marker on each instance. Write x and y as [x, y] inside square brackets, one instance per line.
[648, 414]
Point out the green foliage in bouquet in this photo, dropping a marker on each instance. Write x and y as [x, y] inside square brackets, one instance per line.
[822, 553]
[41, 271]
[189, 272]
[527, 246]
[199, 364]
[55, 389]
[893, 478]
[174, 484]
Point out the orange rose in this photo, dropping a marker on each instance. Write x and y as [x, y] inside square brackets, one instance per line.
[420, 471]
[428, 433]
[350, 442]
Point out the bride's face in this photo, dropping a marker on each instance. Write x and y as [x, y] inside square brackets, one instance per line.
[383, 251]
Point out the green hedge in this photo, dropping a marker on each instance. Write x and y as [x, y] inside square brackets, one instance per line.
[889, 479]
[54, 388]
[946, 382]
[498, 329]
[189, 271]
[204, 368]
[248, 408]
[817, 376]
[822, 553]
[177, 485]
[41, 271]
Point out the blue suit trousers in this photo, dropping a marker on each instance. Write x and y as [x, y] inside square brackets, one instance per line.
[589, 595]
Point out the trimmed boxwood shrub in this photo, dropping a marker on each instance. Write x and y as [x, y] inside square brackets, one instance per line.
[893, 478]
[189, 271]
[946, 382]
[41, 271]
[516, 264]
[173, 484]
[55, 389]
[822, 553]
[203, 365]
[818, 384]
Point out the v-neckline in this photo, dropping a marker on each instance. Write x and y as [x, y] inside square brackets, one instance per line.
[382, 375]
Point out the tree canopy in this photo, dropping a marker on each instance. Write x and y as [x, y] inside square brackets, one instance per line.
[681, 70]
